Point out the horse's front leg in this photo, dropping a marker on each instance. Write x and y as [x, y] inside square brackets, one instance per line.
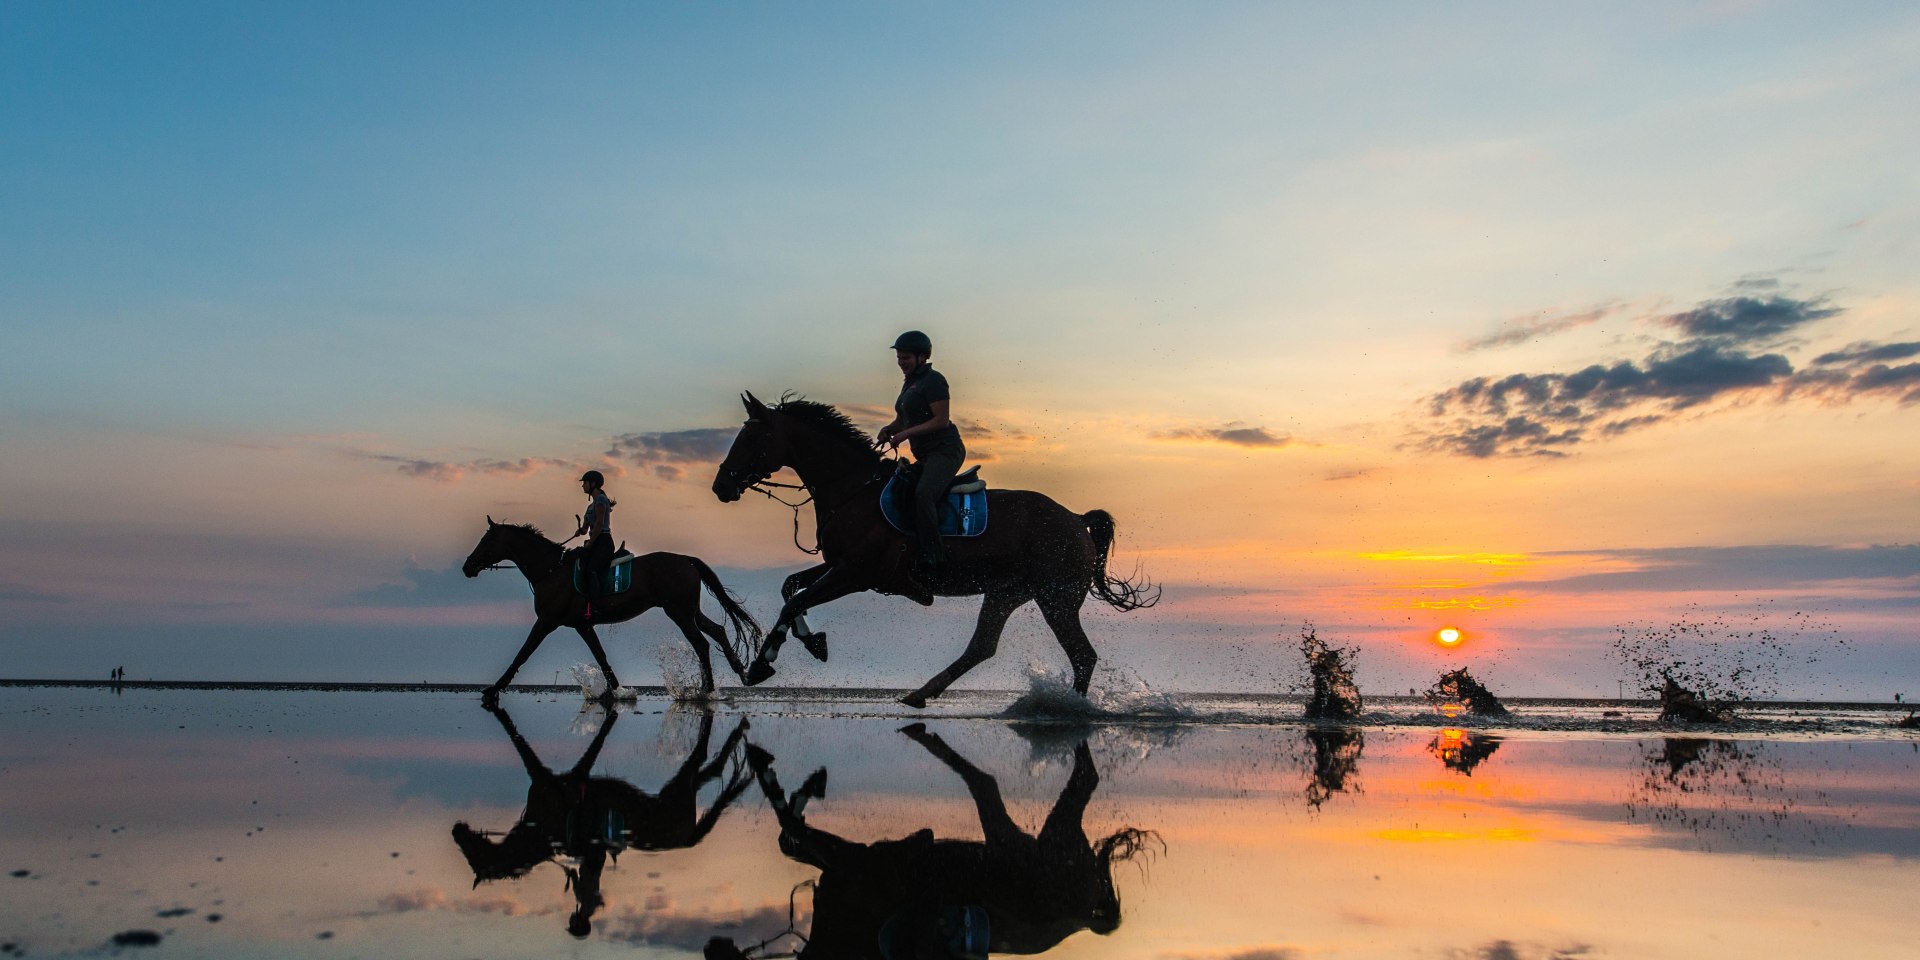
[540, 630]
[835, 582]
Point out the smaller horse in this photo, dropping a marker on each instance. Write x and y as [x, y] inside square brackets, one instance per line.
[669, 581]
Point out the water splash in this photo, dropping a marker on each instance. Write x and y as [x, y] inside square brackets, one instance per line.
[1722, 658]
[1458, 688]
[1330, 673]
[1118, 694]
[593, 683]
[680, 673]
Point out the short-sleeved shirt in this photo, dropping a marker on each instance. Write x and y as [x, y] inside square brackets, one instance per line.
[599, 517]
[922, 389]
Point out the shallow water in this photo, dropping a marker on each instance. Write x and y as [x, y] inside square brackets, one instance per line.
[244, 823]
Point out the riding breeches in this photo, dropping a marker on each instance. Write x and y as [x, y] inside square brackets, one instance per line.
[937, 469]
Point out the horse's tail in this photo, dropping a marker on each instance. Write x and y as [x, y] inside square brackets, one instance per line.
[746, 630]
[1136, 594]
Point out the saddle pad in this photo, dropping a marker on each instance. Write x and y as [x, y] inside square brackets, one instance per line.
[963, 515]
[617, 579]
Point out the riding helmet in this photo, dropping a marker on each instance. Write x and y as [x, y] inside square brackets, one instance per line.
[913, 341]
[593, 476]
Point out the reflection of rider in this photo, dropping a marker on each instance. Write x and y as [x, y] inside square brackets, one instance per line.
[590, 819]
[597, 524]
[921, 417]
[923, 898]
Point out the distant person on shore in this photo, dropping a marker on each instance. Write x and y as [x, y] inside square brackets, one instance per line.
[597, 524]
[922, 419]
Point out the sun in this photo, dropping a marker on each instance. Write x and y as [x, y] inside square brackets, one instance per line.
[1448, 637]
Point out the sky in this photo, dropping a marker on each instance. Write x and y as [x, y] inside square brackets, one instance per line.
[1542, 322]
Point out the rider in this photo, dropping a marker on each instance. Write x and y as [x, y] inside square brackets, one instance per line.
[920, 416]
[596, 524]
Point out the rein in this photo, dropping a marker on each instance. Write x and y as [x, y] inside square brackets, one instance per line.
[761, 487]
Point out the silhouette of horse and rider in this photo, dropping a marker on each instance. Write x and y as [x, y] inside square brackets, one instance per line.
[919, 897]
[1033, 550]
[586, 819]
[669, 581]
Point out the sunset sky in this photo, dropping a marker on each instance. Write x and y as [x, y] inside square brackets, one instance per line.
[1535, 321]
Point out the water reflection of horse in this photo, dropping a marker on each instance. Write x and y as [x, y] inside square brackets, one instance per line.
[589, 819]
[899, 899]
[669, 581]
[1033, 548]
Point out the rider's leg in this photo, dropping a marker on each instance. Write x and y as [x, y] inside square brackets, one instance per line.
[937, 469]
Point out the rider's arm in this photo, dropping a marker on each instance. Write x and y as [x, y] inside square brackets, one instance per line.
[939, 422]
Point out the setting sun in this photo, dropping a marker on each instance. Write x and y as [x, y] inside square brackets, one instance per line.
[1447, 637]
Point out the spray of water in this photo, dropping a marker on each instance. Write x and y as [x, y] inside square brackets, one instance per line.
[1117, 693]
[593, 683]
[1329, 671]
[1702, 663]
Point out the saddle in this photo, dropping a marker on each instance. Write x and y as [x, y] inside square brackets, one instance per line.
[963, 514]
[617, 579]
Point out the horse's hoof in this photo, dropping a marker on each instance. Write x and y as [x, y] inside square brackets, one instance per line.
[816, 784]
[758, 673]
[918, 701]
[490, 696]
[915, 730]
[758, 758]
[816, 644]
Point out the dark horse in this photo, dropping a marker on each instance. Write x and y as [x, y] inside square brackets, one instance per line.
[1033, 549]
[576, 814]
[666, 580]
[890, 898]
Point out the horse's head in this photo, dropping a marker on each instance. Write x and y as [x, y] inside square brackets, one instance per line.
[758, 452]
[489, 551]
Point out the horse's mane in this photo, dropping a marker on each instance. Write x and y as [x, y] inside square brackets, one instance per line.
[525, 528]
[836, 425]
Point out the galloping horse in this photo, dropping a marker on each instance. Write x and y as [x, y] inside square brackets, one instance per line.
[1033, 548]
[669, 581]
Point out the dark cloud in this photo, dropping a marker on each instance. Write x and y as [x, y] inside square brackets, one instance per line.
[1869, 353]
[446, 471]
[1743, 568]
[661, 929]
[1535, 326]
[1236, 433]
[21, 594]
[1548, 414]
[440, 588]
[1737, 320]
[672, 449]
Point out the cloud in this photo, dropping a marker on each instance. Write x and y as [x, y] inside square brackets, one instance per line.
[1741, 568]
[1549, 414]
[1738, 320]
[691, 932]
[668, 453]
[1869, 353]
[1236, 434]
[1255, 953]
[16, 593]
[444, 471]
[439, 588]
[1537, 325]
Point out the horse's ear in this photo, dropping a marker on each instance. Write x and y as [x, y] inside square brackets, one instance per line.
[755, 408]
[490, 523]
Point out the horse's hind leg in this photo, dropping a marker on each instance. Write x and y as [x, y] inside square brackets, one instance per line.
[999, 604]
[718, 634]
[1062, 610]
[600, 658]
[685, 621]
